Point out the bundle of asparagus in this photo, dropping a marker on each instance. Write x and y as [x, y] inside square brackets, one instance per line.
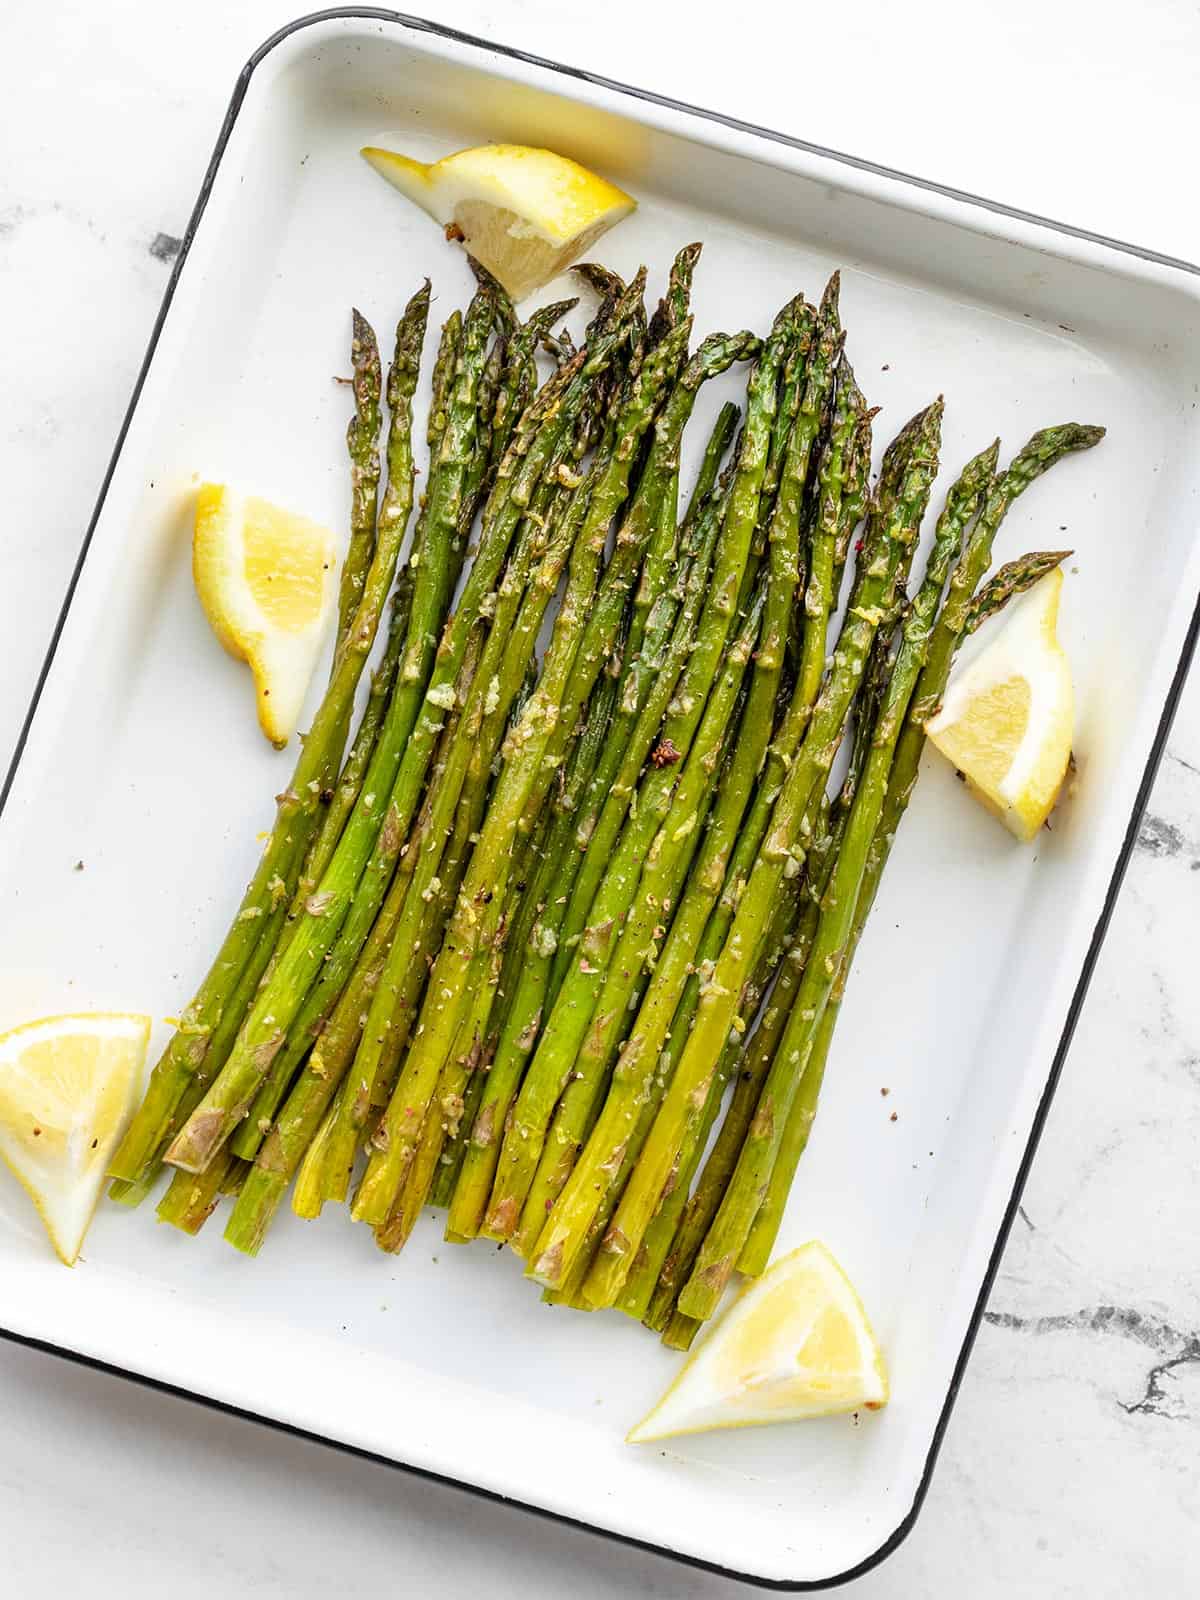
[512, 940]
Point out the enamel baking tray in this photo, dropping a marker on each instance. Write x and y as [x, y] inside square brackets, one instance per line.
[141, 760]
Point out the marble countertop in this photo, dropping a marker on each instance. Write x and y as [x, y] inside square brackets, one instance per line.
[1071, 1463]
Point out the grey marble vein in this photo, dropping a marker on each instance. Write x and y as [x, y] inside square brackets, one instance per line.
[1177, 1347]
[165, 246]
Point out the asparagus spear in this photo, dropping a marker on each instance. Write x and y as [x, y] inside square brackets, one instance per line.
[1012, 579]
[392, 519]
[447, 1114]
[551, 858]
[362, 442]
[526, 753]
[682, 1328]
[733, 558]
[530, 906]
[792, 381]
[662, 555]
[618, 301]
[504, 661]
[455, 1147]
[543, 590]
[599, 1168]
[664, 1237]
[417, 881]
[962, 604]
[192, 1198]
[504, 664]
[819, 595]
[184, 1059]
[664, 868]
[841, 502]
[400, 764]
[321, 998]
[581, 983]
[344, 797]
[519, 378]
[307, 1198]
[1039, 454]
[301, 1116]
[410, 907]
[702, 1206]
[376, 1071]
[536, 448]
[668, 1251]
[715, 355]
[602, 279]
[673, 307]
[756, 1253]
[358, 1101]
[573, 1283]
[445, 365]
[571, 1291]
[645, 692]
[362, 435]
[891, 540]
[703, 920]
[748, 1187]
[505, 311]
[707, 477]
[655, 670]
[855, 490]
[265, 1030]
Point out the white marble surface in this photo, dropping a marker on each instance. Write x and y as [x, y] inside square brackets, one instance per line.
[1072, 1461]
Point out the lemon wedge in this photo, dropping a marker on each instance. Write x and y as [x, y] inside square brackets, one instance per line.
[266, 579]
[1007, 720]
[525, 214]
[797, 1344]
[67, 1089]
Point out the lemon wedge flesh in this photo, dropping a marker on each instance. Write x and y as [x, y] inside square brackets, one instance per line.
[67, 1089]
[525, 214]
[797, 1344]
[266, 580]
[1007, 720]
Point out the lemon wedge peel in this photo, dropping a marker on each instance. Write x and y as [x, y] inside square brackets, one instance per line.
[525, 213]
[267, 581]
[1007, 720]
[68, 1085]
[796, 1344]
